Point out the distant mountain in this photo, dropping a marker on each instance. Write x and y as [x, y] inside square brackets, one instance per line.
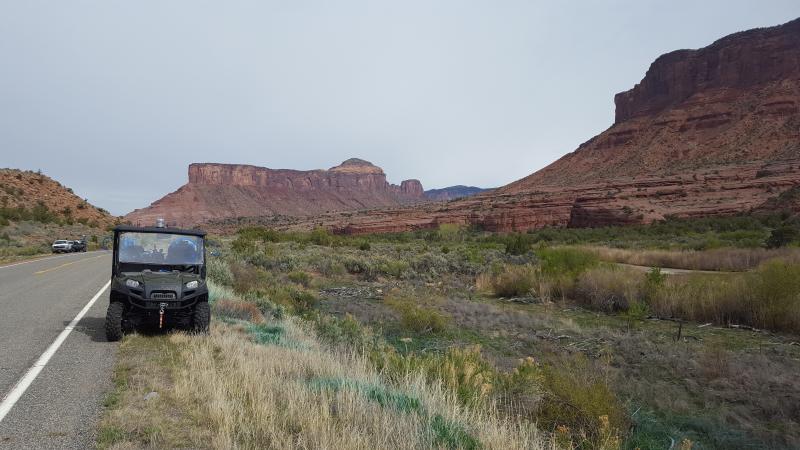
[223, 191]
[28, 195]
[453, 192]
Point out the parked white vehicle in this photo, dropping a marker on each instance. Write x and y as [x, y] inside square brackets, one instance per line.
[62, 246]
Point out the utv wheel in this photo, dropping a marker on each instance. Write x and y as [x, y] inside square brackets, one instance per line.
[201, 316]
[114, 330]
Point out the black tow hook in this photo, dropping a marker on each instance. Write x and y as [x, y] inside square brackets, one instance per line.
[161, 307]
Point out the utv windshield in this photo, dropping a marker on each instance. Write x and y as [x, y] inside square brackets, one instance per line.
[160, 248]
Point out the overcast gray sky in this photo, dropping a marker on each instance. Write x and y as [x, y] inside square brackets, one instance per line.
[116, 98]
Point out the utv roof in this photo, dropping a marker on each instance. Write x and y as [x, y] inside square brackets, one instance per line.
[122, 228]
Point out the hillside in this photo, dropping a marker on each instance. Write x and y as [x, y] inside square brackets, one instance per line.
[34, 196]
[219, 191]
[35, 210]
[713, 131]
[735, 101]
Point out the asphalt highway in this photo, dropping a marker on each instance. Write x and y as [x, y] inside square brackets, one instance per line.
[54, 372]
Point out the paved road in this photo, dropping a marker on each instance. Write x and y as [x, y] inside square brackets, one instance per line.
[38, 300]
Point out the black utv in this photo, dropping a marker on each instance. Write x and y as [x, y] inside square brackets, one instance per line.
[158, 280]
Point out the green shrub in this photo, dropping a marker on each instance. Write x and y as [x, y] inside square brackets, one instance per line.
[464, 372]
[360, 267]
[328, 267]
[579, 403]
[303, 301]
[246, 278]
[396, 268]
[518, 244]
[260, 233]
[345, 331]
[243, 246]
[299, 277]
[782, 236]
[418, 318]
[513, 281]
[775, 298]
[654, 281]
[449, 232]
[40, 213]
[566, 261]
[320, 236]
[217, 269]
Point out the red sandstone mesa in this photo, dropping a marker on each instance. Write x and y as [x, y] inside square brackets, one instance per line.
[217, 191]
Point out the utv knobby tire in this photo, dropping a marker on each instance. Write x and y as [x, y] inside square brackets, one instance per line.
[114, 318]
[201, 317]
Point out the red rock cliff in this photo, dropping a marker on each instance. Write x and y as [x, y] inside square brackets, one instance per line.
[217, 191]
[738, 61]
[734, 102]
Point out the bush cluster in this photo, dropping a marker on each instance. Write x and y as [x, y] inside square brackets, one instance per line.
[417, 318]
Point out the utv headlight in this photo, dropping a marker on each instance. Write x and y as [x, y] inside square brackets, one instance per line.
[192, 284]
[132, 283]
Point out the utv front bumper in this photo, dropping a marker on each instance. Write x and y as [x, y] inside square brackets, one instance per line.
[158, 300]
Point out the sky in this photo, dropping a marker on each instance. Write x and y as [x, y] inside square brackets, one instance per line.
[116, 98]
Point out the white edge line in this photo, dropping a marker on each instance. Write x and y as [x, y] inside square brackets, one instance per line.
[24, 383]
[44, 259]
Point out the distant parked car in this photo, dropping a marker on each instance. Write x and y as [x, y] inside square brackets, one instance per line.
[62, 246]
[79, 245]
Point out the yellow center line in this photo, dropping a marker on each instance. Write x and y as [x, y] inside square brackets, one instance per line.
[65, 265]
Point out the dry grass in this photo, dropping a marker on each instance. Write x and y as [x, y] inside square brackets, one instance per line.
[766, 297]
[521, 281]
[296, 394]
[168, 420]
[233, 389]
[725, 259]
[609, 289]
[238, 310]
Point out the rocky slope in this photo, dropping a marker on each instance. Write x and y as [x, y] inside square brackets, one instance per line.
[453, 192]
[33, 191]
[706, 132]
[219, 191]
[735, 101]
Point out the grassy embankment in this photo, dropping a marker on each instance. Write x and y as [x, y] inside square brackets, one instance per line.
[454, 338]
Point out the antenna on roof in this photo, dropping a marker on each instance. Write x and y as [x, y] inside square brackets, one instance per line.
[160, 223]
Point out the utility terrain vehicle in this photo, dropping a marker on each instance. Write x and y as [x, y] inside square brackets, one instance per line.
[158, 279]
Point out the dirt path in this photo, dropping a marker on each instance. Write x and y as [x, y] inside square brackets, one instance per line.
[671, 271]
